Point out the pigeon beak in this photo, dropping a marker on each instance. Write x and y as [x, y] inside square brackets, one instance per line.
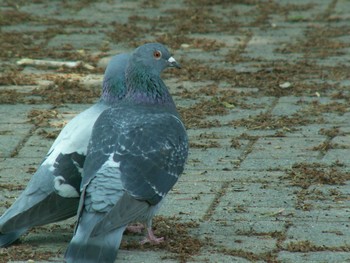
[172, 63]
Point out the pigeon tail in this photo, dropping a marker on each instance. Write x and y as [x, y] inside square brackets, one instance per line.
[37, 205]
[86, 249]
[51, 209]
[9, 238]
[102, 249]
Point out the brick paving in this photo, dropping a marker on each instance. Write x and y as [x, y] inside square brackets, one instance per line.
[267, 178]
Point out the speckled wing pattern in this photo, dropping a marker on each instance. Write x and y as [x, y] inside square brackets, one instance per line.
[149, 147]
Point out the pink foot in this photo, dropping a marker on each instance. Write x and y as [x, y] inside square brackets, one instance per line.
[151, 238]
[137, 228]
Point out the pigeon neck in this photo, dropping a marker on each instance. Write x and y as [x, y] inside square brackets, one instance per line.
[144, 88]
[113, 90]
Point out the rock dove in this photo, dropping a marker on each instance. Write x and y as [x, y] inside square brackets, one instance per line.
[136, 154]
[53, 191]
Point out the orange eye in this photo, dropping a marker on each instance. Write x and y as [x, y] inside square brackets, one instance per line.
[157, 54]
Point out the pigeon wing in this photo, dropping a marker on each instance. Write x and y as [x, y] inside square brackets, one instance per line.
[150, 150]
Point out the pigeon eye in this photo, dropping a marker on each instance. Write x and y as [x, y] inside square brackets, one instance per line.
[157, 54]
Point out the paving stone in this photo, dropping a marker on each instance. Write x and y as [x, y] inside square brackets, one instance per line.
[8, 144]
[236, 185]
[285, 109]
[141, 256]
[17, 114]
[342, 141]
[217, 258]
[311, 130]
[78, 41]
[284, 147]
[326, 197]
[266, 42]
[35, 147]
[186, 206]
[287, 151]
[320, 234]
[323, 256]
[242, 201]
[213, 158]
[337, 155]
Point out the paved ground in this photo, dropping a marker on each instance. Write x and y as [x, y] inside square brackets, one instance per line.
[264, 92]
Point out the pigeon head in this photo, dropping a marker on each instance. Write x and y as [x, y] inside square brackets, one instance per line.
[142, 75]
[154, 58]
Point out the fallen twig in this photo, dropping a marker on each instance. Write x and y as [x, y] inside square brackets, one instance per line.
[53, 63]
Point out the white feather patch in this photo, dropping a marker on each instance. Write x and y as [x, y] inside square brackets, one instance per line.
[63, 189]
[74, 137]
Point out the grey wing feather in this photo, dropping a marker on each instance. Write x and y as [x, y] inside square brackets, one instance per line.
[100, 193]
[151, 150]
[151, 153]
[154, 157]
[127, 210]
[86, 249]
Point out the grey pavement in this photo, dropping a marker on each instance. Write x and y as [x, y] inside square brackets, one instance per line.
[264, 92]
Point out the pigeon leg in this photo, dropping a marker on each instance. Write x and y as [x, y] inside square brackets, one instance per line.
[151, 238]
[137, 228]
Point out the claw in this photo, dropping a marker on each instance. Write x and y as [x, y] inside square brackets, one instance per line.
[151, 238]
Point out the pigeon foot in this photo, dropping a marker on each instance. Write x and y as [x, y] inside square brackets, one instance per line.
[151, 238]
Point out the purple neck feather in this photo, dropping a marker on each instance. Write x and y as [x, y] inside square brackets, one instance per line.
[143, 88]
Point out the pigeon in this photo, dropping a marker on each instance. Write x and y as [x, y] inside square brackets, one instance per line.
[136, 153]
[53, 191]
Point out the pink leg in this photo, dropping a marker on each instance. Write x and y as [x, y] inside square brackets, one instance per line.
[151, 238]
